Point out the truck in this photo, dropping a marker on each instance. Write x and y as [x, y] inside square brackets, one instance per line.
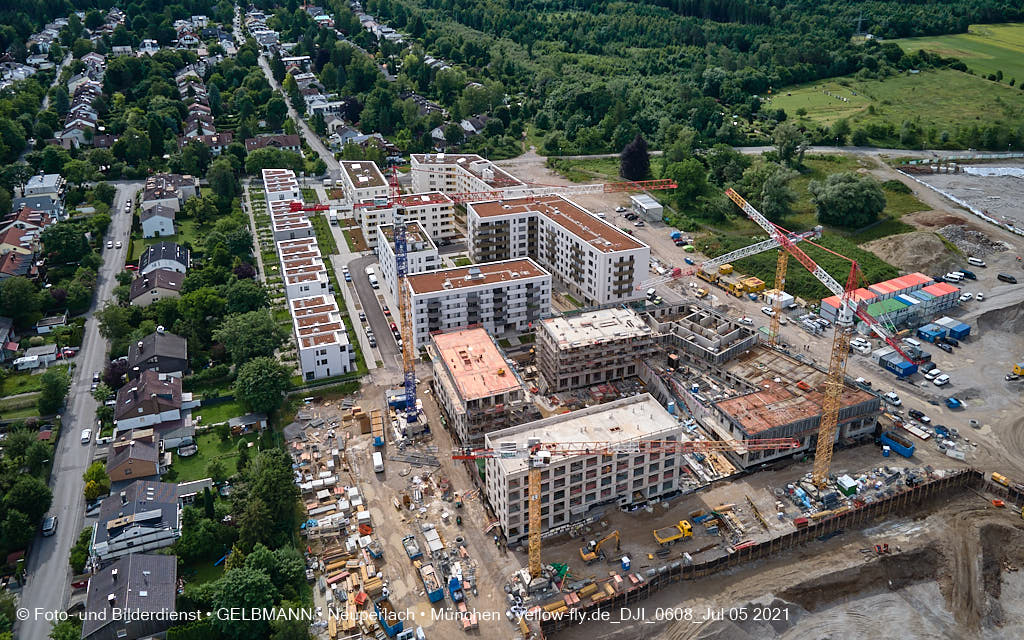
[371, 275]
[898, 443]
[431, 583]
[673, 533]
[378, 462]
[387, 617]
[412, 547]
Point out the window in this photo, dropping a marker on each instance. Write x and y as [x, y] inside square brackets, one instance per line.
[559, 495]
[652, 467]
[591, 497]
[576, 478]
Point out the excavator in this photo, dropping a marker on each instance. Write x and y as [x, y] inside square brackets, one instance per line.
[592, 551]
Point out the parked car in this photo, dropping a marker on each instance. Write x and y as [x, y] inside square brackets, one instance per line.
[1005, 277]
[969, 274]
[892, 399]
[953, 342]
[966, 297]
[638, 223]
[919, 415]
[110, 244]
[930, 375]
[620, 209]
[96, 376]
[768, 311]
[979, 297]
[747, 321]
[945, 347]
[940, 380]
[86, 436]
[49, 526]
[925, 367]
[387, 311]
[362, 316]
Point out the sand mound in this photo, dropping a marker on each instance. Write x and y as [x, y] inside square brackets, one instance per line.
[914, 251]
[1009, 319]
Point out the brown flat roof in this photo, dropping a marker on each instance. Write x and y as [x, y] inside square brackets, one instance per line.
[571, 217]
[488, 273]
[780, 399]
[474, 362]
[413, 232]
[363, 173]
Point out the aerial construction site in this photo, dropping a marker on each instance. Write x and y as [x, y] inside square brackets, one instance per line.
[705, 455]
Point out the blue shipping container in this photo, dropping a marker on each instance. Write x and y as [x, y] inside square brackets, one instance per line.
[960, 331]
[929, 333]
[901, 368]
[898, 443]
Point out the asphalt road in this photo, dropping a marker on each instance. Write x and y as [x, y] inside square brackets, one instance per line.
[48, 570]
[381, 326]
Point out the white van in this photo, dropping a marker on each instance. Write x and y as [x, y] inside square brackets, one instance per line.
[978, 262]
[378, 462]
[952, 277]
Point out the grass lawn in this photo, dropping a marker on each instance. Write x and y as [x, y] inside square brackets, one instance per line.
[587, 169]
[309, 195]
[21, 407]
[210, 448]
[354, 240]
[985, 48]
[943, 99]
[202, 571]
[324, 237]
[462, 261]
[24, 381]
[220, 412]
[187, 231]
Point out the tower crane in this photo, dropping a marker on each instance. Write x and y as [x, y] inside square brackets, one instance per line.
[849, 308]
[538, 456]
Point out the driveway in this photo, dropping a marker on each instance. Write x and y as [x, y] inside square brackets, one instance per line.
[386, 344]
[48, 570]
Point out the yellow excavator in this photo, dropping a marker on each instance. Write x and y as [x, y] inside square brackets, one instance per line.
[592, 551]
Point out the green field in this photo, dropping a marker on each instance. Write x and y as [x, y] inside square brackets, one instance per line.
[943, 99]
[985, 48]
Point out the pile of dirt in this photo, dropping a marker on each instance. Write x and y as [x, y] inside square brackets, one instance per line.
[1001, 550]
[971, 241]
[886, 573]
[1008, 319]
[932, 219]
[914, 251]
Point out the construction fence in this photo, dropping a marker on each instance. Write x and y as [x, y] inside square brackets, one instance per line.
[903, 503]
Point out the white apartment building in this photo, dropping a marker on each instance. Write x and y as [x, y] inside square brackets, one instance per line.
[573, 485]
[434, 211]
[503, 297]
[597, 263]
[280, 184]
[324, 349]
[362, 180]
[421, 255]
[458, 173]
[287, 224]
[302, 268]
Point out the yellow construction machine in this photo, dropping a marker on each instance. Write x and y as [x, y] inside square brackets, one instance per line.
[592, 551]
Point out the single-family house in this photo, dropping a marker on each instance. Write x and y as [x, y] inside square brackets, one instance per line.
[285, 142]
[144, 516]
[142, 587]
[164, 255]
[150, 400]
[49, 323]
[157, 221]
[161, 352]
[155, 285]
[134, 456]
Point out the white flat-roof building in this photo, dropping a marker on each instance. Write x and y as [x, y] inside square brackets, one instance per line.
[287, 224]
[459, 173]
[361, 180]
[421, 255]
[503, 297]
[51, 184]
[302, 268]
[646, 207]
[592, 348]
[478, 389]
[280, 184]
[596, 262]
[324, 349]
[573, 485]
[434, 211]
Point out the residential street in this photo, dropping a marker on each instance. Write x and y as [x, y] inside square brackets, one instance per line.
[48, 570]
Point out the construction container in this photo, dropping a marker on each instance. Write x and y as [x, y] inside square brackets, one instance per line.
[898, 443]
[878, 354]
[725, 269]
[931, 332]
[955, 328]
[387, 617]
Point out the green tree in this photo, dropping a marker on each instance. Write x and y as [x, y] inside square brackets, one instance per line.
[244, 589]
[80, 552]
[31, 496]
[54, 383]
[222, 180]
[246, 295]
[202, 209]
[102, 393]
[69, 629]
[64, 242]
[840, 130]
[216, 471]
[766, 186]
[97, 482]
[251, 335]
[77, 172]
[261, 384]
[277, 111]
[847, 200]
[790, 143]
[692, 180]
[19, 300]
[17, 530]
